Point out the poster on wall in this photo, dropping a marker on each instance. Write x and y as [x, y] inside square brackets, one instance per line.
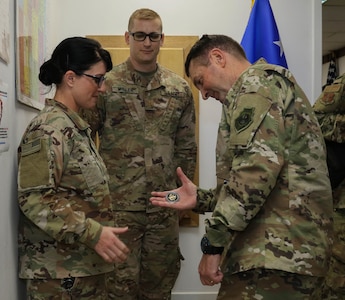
[4, 31]
[31, 24]
[4, 117]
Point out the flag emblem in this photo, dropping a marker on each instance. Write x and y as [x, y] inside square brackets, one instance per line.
[261, 37]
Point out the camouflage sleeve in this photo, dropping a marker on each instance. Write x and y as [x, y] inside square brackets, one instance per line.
[332, 126]
[206, 201]
[41, 200]
[258, 154]
[185, 142]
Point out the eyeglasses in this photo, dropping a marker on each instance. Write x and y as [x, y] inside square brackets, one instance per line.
[98, 79]
[141, 36]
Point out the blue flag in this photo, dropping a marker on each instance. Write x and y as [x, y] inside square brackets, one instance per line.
[261, 38]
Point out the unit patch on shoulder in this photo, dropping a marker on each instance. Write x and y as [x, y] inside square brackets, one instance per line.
[244, 120]
[31, 147]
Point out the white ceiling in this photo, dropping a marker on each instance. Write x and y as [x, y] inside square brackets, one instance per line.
[333, 26]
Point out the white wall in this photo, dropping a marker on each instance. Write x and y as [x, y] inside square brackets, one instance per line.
[10, 287]
[341, 65]
[302, 44]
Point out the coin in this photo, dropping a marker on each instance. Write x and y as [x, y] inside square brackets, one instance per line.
[172, 197]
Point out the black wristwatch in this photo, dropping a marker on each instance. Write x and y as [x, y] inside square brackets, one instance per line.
[207, 248]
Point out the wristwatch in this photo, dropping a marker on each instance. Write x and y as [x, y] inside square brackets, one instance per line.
[207, 248]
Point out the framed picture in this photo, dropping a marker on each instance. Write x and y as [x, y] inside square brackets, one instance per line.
[31, 24]
[4, 31]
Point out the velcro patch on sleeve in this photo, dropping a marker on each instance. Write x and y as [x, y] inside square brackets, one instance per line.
[31, 147]
[246, 120]
[331, 99]
[34, 164]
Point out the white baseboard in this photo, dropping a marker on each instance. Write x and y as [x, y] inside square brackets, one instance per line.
[194, 296]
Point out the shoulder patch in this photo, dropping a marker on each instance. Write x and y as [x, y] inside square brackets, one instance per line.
[244, 120]
[31, 147]
[250, 112]
[34, 165]
[332, 98]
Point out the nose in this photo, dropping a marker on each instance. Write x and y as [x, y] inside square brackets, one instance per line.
[147, 40]
[102, 88]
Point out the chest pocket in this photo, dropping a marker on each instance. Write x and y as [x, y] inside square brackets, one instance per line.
[92, 173]
[164, 110]
[85, 169]
[251, 110]
[124, 106]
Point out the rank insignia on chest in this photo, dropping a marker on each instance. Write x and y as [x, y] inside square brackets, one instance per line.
[244, 119]
[127, 90]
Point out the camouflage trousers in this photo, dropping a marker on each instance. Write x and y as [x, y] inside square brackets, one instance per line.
[72, 288]
[153, 264]
[333, 287]
[262, 284]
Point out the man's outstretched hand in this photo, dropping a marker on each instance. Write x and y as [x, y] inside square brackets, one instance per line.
[186, 193]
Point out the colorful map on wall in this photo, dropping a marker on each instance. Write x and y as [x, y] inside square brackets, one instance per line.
[4, 31]
[4, 117]
[31, 50]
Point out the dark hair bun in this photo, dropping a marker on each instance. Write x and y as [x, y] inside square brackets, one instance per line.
[50, 73]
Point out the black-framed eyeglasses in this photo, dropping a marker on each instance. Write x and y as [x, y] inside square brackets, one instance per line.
[141, 36]
[98, 79]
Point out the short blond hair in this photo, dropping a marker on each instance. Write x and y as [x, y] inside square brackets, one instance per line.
[143, 14]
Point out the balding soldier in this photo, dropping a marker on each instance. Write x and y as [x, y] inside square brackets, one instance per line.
[272, 206]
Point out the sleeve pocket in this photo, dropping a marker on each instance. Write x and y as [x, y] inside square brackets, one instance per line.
[34, 165]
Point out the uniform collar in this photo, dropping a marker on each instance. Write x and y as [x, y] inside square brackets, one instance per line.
[75, 117]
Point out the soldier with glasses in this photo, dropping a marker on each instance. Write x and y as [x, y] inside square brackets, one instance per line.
[146, 123]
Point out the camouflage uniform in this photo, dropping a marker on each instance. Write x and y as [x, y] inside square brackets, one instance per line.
[272, 206]
[330, 110]
[147, 130]
[63, 198]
